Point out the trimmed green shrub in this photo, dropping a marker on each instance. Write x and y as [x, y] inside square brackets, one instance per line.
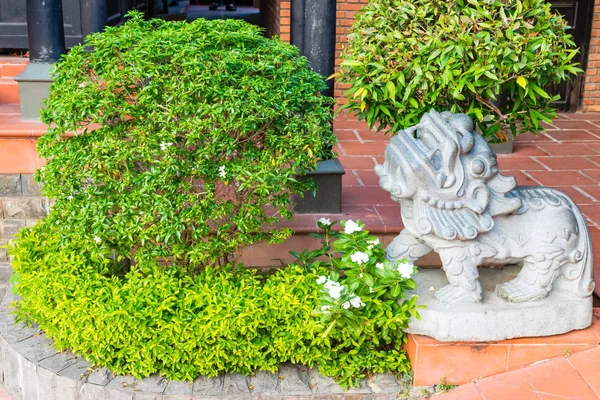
[222, 319]
[188, 139]
[405, 57]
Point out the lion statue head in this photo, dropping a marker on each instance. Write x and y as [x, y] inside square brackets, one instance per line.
[447, 177]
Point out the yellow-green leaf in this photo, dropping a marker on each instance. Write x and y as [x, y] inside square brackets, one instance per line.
[522, 82]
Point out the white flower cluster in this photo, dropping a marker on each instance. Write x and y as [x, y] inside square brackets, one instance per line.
[352, 227]
[222, 172]
[165, 145]
[325, 221]
[405, 270]
[355, 302]
[335, 289]
[359, 257]
[372, 243]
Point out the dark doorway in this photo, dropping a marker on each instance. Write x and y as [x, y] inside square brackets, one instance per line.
[579, 15]
[246, 10]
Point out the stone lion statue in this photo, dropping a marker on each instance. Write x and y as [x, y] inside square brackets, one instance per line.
[454, 201]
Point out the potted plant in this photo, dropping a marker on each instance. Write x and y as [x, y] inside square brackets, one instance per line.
[488, 59]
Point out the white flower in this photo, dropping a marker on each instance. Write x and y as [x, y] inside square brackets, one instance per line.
[405, 270]
[325, 221]
[371, 290]
[164, 145]
[346, 305]
[70, 198]
[222, 173]
[361, 275]
[352, 227]
[97, 240]
[336, 292]
[325, 308]
[334, 289]
[431, 288]
[359, 257]
[373, 243]
[356, 302]
[57, 222]
[321, 280]
[82, 84]
[379, 265]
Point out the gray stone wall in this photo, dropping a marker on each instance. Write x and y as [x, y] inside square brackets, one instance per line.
[21, 205]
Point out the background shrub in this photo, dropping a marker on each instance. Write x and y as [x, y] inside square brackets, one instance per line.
[405, 57]
[188, 139]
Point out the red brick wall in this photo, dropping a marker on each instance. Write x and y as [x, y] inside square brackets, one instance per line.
[285, 12]
[344, 20]
[591, 93]
[269, 12]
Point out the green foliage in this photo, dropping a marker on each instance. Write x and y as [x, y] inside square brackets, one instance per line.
[405, 57]
[188, 139]
[359, 303]
[444, 386]
[227, 319]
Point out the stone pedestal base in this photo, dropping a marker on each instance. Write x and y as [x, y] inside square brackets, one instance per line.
[495, 319]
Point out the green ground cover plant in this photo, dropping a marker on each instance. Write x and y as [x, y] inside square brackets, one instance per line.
[489, 59]
[188, 139]
[344, 311]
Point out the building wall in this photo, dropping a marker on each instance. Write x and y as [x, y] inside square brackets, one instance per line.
[269, 12]
[21, 205]
[591, 92]
[346, 9]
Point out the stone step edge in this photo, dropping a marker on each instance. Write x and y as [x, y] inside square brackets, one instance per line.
[32, 369]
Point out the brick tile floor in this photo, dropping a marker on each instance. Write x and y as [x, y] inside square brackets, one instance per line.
[573, 377]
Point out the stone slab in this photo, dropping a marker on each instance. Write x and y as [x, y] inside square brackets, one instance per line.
[494, 319]
[10, 185]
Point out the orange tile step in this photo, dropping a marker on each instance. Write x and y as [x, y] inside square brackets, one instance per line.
[573, 377]
[459, 362]
[9, 91]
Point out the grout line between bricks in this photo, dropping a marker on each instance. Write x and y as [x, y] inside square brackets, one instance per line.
[582, 378]
[586, 194]
[593, 123]
[339, 144]
[582, 172]
[552, 138]
[542, 164]
[360, 182]
[385, 228]
[358, 136]
[479, 389]
[593, 134]
[541, 149]
[592, 161]
[531, 177]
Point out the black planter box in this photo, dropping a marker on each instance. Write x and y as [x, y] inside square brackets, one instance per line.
[328, 198]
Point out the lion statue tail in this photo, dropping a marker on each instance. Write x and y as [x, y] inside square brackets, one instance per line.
[577, 275]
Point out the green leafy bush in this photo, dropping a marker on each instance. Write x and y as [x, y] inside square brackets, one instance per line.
[359, 303]
[405, 57]
[220, 320]
[188, 139]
